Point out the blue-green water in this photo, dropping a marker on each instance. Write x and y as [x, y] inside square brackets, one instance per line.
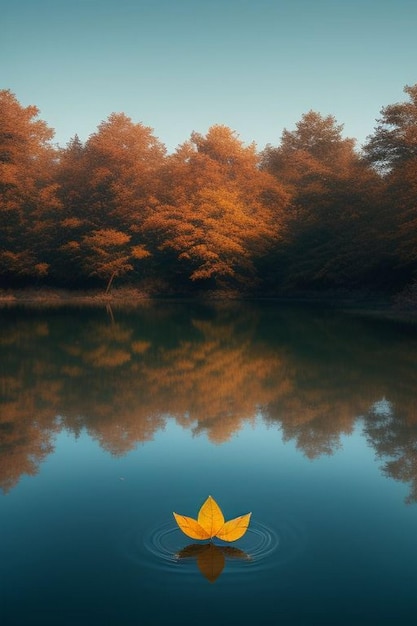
[112, 420]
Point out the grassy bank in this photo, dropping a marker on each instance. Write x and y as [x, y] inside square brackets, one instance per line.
[63, 297]
[131, 297]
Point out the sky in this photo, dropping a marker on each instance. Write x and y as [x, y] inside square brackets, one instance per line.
[179, 66]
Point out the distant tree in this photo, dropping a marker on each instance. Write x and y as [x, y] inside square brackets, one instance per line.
[316, 138]
[28, 199]
[333, 224]
[217, 211]
[392, 150]
[394, 141]
[73, 178]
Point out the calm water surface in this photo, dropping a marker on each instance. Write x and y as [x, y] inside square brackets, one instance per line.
[112, 420]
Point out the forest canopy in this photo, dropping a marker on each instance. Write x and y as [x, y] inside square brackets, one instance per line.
[312, 213]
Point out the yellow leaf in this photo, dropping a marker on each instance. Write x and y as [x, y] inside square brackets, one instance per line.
[191, 527]
[211, 523]
[234, 529]
[210, 517]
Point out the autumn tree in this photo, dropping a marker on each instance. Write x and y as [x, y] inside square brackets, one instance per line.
[392, 150]
[394, 141]
[104, 253]
[107, 187]
[28, 200]
[217, 212]
[316, 143]
[334, 192]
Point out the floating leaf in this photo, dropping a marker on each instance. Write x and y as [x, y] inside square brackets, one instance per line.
[210, 517]
[235, 528]
[211, 523]
[191, 527]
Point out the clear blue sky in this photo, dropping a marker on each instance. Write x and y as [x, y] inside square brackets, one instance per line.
[183, 65]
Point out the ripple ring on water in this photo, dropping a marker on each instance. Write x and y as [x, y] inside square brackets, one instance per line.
[263, 546]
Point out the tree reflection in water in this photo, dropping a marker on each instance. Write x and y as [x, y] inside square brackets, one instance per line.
[213, 368]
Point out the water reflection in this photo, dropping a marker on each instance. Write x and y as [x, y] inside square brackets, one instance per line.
[310, 374]
[211, 558]
[394, 437]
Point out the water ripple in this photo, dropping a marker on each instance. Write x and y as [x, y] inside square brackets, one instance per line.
[261, 548]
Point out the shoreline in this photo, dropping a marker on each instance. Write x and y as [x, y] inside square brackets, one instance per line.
[128, 297]
[66, 297]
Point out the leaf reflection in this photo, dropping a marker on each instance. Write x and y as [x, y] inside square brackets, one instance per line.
[211, 558]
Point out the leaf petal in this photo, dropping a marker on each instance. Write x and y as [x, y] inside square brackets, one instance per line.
[210, 517]
[234, 529]
[191, 527]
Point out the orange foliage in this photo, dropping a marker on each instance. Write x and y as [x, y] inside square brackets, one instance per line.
[218, 212]
[28, 191]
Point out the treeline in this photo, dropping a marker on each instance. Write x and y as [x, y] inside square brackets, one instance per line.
[310, 214]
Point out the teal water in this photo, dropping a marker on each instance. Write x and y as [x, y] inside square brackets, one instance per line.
[112, 420]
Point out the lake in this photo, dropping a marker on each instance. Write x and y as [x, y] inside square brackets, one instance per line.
[111, 420]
